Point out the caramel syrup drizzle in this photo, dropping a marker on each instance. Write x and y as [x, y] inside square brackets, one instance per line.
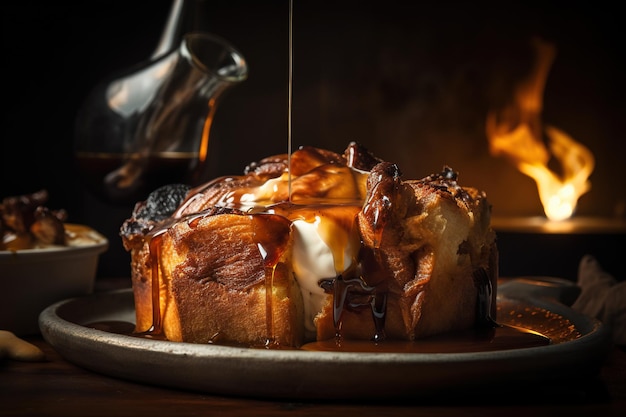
[155, 254]
[290, 95]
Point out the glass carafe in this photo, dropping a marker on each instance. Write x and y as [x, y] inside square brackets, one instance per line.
[150, 125]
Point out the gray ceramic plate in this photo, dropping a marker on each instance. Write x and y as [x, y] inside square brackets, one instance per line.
[578, 348]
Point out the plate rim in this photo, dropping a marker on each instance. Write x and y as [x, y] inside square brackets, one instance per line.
[72, 339]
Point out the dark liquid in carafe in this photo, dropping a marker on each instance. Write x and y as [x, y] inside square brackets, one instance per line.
[122, 180]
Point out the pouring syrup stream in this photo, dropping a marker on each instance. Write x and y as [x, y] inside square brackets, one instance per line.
[290, 97]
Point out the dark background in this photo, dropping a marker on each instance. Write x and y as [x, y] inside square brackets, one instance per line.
[413, 82]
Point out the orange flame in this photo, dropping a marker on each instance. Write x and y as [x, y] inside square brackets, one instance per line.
[515, 132]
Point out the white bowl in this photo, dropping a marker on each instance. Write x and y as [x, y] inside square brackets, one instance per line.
[33, 279]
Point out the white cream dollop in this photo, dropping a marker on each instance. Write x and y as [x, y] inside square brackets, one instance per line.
[315, 258]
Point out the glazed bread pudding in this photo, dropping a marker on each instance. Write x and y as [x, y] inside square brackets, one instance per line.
[310, 247]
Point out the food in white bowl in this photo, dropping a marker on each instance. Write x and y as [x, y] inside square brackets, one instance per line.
[318, 247]
[42, 260]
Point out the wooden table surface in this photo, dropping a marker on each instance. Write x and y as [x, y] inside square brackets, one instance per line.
[56, 387]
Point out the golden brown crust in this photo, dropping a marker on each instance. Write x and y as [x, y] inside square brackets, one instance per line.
[213, 274]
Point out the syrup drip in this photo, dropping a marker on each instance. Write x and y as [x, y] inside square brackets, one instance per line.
[155, 253]
[269, 259]
[484, 301]
[155, 331]
[379, 309]
[355, 294]
[271, 250]
[270, 340]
